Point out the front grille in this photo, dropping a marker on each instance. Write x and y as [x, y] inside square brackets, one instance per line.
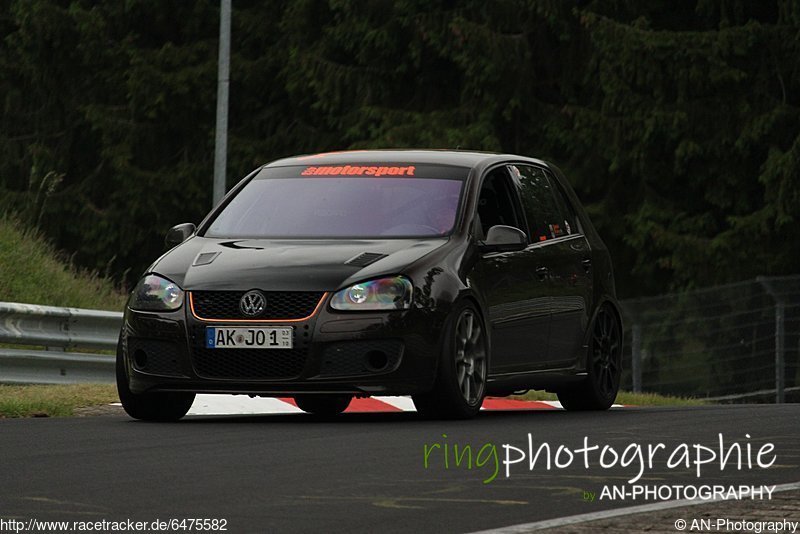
[154, 357]
[281, 305]
[249, 364]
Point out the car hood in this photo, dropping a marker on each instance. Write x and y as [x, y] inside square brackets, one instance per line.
[287, 265]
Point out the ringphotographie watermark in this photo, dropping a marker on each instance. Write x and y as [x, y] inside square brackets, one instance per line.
[503, 460]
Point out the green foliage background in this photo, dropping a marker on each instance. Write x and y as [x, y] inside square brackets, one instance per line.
[678, 122]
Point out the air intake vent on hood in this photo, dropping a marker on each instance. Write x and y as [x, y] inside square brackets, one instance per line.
[204, 258]
[365, 258]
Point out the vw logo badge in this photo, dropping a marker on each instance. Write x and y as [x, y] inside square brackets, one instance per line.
[253, 303]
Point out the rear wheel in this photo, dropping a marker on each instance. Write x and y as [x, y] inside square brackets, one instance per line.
[323, 404]
[167, 406]
[603, 369]
[461, 379]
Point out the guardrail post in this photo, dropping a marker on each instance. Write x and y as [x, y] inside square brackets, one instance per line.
[636, 358]
[780, 368]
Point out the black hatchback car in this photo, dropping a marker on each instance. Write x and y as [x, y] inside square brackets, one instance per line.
[443, 275]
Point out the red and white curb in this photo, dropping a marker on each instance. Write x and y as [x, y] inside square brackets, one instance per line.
[243, 405]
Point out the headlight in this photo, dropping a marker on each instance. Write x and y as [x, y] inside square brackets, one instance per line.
[383, 294]
[154, 293]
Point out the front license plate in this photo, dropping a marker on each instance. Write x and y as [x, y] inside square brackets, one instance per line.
[249, 338]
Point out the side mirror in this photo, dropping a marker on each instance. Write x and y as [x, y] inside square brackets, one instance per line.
[178, 234]
[501, 238]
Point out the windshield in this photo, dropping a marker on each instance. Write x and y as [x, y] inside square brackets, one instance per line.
[279, 203]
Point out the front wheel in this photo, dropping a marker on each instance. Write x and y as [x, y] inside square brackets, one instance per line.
[326, 405]
[163, 406]
[603, 367]
[461, 378]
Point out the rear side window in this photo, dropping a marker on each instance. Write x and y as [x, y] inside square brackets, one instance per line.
[548, 213]
[571, 222]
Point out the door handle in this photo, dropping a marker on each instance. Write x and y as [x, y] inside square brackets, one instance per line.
[587, 265]
[542, 272]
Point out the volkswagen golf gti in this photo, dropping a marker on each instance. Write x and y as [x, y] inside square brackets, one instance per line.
[443, 275]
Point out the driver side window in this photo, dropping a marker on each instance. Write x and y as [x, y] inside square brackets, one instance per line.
[496, 203]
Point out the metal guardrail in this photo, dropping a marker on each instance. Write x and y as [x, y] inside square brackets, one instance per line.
[57, 330]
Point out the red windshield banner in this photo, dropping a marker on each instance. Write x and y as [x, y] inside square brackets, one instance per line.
[357, 170]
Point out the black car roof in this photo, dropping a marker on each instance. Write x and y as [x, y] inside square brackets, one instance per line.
[460, 158]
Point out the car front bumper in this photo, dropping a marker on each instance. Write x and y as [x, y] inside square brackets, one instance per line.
[388, 353]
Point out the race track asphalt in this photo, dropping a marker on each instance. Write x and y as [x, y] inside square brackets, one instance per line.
[363, 472]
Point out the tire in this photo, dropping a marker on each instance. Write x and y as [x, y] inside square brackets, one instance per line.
[166, 406]
[325, 405]
[460, 385]
[603, 367]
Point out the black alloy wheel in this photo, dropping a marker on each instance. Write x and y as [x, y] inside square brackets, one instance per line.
[603, 369]
[461, 379]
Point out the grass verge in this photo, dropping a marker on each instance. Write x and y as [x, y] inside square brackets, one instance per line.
[33, 272]
[53, 400]
[626, 397]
